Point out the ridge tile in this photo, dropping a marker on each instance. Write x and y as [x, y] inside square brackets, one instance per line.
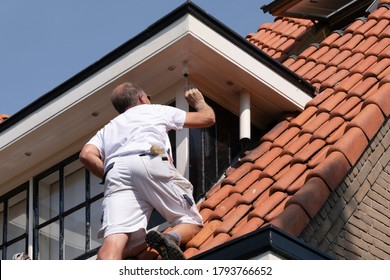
[293, 219]
[381, 99]
[311, 196]
[332, 170]
[369, 120]
[352, 144]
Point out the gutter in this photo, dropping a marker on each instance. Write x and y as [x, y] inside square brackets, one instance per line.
[265, 239]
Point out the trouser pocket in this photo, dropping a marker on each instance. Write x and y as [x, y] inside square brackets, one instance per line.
[157, 167]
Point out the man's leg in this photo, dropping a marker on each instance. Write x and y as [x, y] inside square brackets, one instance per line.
[168, 245]
[186, 232]
[131, 253]
[113, 246]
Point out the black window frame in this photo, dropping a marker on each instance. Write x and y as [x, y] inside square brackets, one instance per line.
[5, 199]
[88, 201]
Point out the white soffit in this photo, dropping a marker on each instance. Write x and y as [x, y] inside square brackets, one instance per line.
[220, 68]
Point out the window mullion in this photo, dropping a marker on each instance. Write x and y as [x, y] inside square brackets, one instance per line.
[5, 226]
[61, 211]
[87, 211]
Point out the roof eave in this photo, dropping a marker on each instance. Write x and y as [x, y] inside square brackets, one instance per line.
[264, 241]
[152, 30]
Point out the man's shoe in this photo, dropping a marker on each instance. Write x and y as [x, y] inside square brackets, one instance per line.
[165, 246]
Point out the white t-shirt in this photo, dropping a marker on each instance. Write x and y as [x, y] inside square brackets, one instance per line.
[134, 131]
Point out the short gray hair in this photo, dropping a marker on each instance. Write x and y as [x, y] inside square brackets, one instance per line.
[125, 96]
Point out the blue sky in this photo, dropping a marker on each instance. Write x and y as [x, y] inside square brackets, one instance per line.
[45, 42]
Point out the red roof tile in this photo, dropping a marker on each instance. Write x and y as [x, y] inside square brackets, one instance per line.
[311, 196]
[279, 38]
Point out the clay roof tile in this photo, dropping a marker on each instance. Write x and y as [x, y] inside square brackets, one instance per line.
[206, 231]
[348, 83]
[378, 28]
[316, 101]
[296, 145]
[352, 43]
[364, 45]
[266, 206]
[339, 58]
[333, 80]
[255, 190]
[364, 64]
[327, 128]
[351, 145]
[314, 72]
[308, 151]
[332, 170]
[233, 218]
[262, 162]
[252, 225]
[381, 99]
[362, 87]
[378, 68]
[369, 120]
[368, 25]
[293, 219]
[308, 51]
[351, 61]
[378, 13]
[332, 37]
[345, 107]
[311, 196]
[238, 173]
[355, 25]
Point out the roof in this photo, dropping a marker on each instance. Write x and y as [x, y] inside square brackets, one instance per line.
[132, 44]
[282, 37]
[288, 177]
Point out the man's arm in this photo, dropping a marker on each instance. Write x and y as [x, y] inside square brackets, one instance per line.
[204, 115]
[90, 157]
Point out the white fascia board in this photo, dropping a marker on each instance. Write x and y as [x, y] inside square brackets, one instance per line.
[122, 65]
[248, 63]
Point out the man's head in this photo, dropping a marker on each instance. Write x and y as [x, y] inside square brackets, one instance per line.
[128, 95]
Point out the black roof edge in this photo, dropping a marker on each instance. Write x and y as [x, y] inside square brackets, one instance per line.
[268, 238]
[185, 8]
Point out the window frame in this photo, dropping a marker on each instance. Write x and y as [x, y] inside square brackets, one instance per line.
[5, 199]
[62, 214]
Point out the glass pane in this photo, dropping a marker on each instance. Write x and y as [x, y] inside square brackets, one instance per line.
[96, 215]
[210, 160]
[49, 197]
[17, 216]
[49, 242]
[74, 191]
[1, 222]
[96, 188]
[17, 247]
[74, 233]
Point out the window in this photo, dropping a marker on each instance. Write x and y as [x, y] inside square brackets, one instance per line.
[214, 149]
[67, 199]
[14, 222]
